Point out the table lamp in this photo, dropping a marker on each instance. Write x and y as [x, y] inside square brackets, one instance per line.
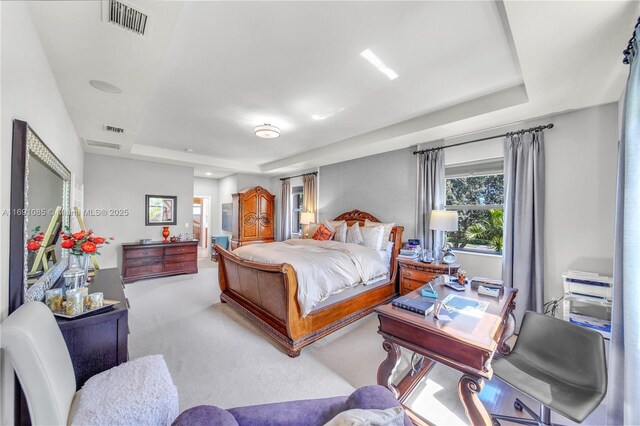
[305, 219]
[445, 220]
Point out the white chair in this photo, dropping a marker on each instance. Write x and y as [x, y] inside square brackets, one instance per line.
[33, 342]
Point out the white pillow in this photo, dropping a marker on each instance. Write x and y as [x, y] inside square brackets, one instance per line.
[393, 416]
[341, 233]
[333, 224]
[388, 227]
[354, 236]
[137, 392]
[372, 236]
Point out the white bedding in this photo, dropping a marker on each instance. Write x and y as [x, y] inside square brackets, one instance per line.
[322, 267]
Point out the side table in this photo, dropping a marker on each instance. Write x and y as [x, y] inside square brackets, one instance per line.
[414, 275]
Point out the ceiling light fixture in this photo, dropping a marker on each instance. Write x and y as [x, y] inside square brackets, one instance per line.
[105, 87]
[267, 131]
[377, 62]
[208, 173]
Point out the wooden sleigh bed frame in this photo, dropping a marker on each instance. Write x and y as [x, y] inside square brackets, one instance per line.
[267, 295]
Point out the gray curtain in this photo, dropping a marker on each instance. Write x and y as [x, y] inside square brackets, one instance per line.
[523, 254]
[431, 196]
[309, 193]
[623, 396]
[285, 210]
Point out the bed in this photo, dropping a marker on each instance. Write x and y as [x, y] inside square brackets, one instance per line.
[266, 293]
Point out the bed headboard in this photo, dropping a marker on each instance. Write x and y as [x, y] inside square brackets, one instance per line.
[356, 216]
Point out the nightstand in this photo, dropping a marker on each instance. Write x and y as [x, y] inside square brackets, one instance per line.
[414, 275]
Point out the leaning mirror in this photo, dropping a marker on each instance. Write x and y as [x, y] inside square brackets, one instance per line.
[40, 206]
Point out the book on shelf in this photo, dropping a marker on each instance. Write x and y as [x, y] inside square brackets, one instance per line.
[422, 307]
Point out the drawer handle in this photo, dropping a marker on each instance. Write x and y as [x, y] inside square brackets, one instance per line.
[406, 274]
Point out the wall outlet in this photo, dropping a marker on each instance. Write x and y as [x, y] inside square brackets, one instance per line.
[186, 225]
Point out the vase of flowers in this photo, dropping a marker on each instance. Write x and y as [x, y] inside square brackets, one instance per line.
[81, 246]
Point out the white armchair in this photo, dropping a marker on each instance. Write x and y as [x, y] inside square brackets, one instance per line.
[34, 344]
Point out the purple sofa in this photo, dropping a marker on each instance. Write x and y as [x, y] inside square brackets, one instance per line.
[311, 412]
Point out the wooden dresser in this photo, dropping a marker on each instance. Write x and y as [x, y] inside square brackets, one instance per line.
[158, 259]
[252, 217]
[416, 274]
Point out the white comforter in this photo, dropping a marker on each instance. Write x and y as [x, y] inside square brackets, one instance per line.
[322, 267]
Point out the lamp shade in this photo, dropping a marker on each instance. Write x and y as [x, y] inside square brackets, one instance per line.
[307, 218]
[444, 220]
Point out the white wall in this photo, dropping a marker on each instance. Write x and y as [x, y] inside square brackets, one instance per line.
[383, 185]
[28, 92]
[209, 188]
[119, 183]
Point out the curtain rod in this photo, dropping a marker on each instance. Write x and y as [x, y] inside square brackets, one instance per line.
[629, 49]
[517, 132]
[304, 174]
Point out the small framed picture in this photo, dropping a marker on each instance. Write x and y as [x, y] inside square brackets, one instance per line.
[160, 210]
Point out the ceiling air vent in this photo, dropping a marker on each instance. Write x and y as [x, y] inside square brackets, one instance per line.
[113, 129]
[102, 144]
[125, 16]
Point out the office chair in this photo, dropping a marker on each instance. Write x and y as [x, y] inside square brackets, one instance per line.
[559, 364]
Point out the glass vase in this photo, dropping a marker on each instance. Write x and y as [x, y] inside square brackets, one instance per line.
[79, 262]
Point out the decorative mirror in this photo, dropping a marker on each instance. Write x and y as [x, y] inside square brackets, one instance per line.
[40, 206]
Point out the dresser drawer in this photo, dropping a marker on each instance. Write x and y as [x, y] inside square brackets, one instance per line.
[180, 250]
[144, 270]
[407, 285]
[181, 266]
[143, 252]
[415, 275]
[180, 258]
[143, 261]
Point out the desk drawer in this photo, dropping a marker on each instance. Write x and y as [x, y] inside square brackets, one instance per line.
[144, 270]
[143, 261]
[143, 252]
[188, 257]
[180, 250]
[181, 266]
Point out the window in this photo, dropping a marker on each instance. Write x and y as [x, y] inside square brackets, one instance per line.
[477, 193]
[296, 209]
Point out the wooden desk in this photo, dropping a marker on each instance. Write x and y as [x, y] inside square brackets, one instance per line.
[466, 344]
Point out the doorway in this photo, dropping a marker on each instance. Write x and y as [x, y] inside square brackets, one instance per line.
[201, 223]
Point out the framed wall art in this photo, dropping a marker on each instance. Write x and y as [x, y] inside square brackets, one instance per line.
[160, 210]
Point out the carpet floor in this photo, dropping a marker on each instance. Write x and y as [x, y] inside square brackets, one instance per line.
[217, 357]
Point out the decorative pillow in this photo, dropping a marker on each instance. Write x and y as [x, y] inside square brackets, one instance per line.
[333, 224]
[322, 234]
[135, 393]
[372, 236]
[341, 233]
[393, 416]
[311, 229]
[354, 236]
[387, 228]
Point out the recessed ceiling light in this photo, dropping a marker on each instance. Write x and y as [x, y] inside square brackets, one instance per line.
[188, 149]
[267, 131]
[208, 173]
[105, 87]
[377, 62]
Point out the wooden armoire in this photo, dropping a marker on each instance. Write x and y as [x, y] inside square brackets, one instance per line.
[252, 217]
